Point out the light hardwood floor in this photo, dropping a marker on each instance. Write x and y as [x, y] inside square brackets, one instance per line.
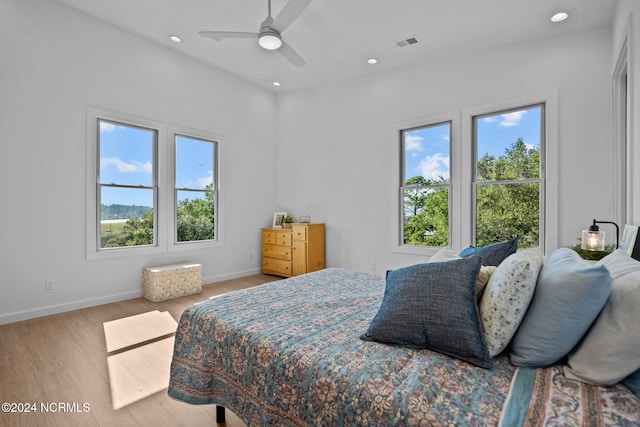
[63, 358]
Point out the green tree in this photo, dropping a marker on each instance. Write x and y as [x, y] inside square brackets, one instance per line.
[509, 209]
[426, 211]
[503, 210]
[196, 219]
[136, 232]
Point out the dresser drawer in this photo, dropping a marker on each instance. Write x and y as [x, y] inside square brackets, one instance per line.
[276, 266]
[281, 238]
[299, 232]
[275, 251]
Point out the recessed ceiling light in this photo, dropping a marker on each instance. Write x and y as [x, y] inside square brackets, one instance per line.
[372, 61]
[559, 17]
[276, 83]
[174, 38]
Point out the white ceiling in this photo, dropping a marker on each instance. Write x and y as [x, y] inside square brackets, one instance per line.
[335, 37]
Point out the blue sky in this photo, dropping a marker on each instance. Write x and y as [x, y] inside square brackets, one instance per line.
[126, 157]
[427, 149]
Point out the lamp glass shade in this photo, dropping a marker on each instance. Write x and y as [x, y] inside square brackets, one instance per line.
[592, 240]
[270, 41]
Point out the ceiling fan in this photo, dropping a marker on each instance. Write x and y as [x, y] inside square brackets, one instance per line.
[269, 37]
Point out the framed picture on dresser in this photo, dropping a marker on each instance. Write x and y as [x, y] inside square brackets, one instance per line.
[277, 219]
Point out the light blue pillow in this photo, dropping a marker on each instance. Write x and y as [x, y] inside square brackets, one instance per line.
[433, 306]
[569, 295]
[492, 254]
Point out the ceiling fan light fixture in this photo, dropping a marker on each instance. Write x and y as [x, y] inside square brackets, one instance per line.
[269, 40]
[559, 17]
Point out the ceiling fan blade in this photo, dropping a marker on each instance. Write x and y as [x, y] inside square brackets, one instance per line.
[219, 35]
[289, 13]
[291, 55]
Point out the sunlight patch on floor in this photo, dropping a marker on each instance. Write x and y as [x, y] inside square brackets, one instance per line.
[143, 369]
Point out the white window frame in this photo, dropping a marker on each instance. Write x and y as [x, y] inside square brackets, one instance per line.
[541, 176]
[461, 225]
[165, 182]
[453, 118]
[549, 197]
[219, 213]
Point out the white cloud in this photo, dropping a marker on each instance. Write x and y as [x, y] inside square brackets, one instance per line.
[106, 126]
[124, 167]
[204, 181]
[200, 183]
[434, 167]
[413, 143]
[512, 119]
[506, 120]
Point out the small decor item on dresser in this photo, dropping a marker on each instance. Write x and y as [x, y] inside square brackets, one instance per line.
[287, 221]
[278, 218]
[171, 281]
[305, 219]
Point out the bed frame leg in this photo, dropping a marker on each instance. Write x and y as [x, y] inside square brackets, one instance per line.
[220, 417]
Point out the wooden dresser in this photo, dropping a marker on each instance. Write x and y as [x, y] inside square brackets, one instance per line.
[291, 252]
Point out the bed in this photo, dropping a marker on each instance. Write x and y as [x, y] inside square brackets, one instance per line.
[291, 353]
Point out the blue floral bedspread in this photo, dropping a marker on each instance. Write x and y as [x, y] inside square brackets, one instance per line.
[288, 353]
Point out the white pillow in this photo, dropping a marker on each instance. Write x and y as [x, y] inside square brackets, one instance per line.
[443, 255]
[507, 297]
[611, 350]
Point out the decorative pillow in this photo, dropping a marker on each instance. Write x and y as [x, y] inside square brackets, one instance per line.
[507, 297]
[569, 295]
[619, 264]
[611, 349]
[493, 254]
[485, 273]
[433, 306]
[633, 382]
[444, 254]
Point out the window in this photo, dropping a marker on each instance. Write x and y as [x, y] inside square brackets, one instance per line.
[195, 189]
[127, 191]
[508, 184]
[478, 176]
[425, 188]
[151, 187]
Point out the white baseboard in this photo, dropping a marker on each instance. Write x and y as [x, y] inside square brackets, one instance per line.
[214, 279]
[92, 302]
[62, 308]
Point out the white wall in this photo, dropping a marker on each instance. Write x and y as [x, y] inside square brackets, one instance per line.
[334, 143]
[54, 62]
[627, 24]
[338, 153]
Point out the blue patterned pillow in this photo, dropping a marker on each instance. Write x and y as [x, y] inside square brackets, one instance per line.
[492, 254]
[633, 382]
[569, 295]
[433, 306]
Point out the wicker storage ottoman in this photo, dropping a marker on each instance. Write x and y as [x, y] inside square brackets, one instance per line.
[171, 281]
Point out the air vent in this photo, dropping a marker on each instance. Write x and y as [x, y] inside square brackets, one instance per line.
[407, 42]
